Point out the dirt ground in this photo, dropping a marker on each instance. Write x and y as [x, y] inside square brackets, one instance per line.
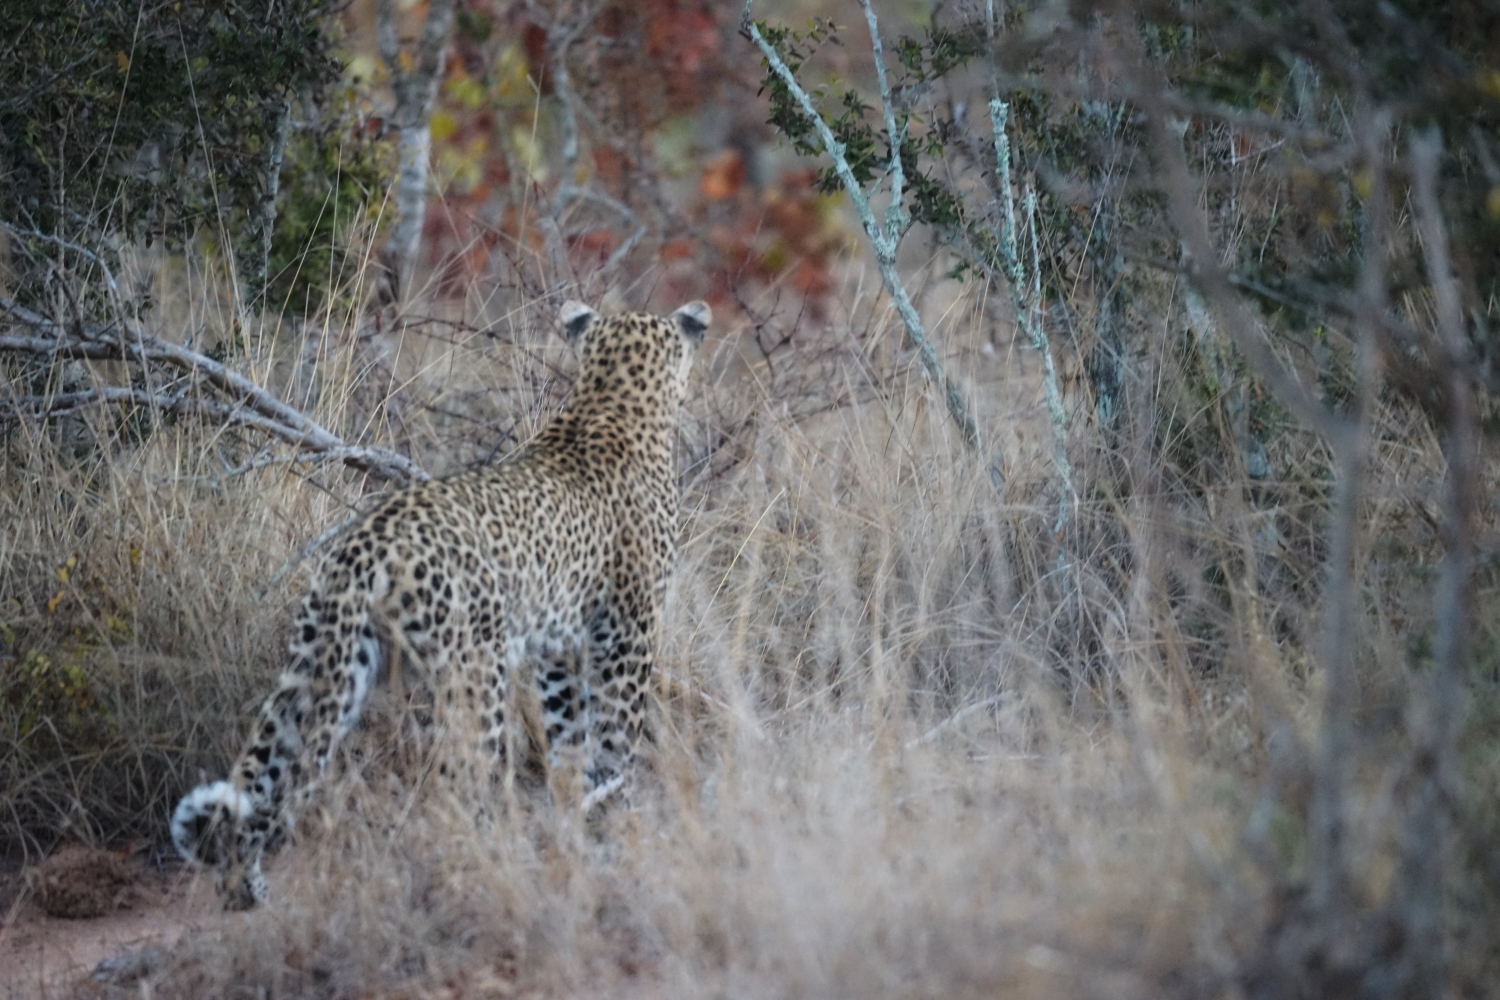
[143, 905]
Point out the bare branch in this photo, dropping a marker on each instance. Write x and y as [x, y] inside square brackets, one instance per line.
[560, 38]
[1436, 726]
[64, 403]
[1346, 435]
[1028, 309]
[306, 550]
[1328, 812]
[82, 251]
[895, 214]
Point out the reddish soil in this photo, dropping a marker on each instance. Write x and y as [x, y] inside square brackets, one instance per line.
[140, 908]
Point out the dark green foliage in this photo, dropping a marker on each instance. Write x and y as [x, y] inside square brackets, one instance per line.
[154, 120]
[940, 53]
[332, 184]
[474, 25]
[867, 146]
[788, 117]
[1429, 62]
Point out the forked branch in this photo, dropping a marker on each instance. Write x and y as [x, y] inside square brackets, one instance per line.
[884, 237]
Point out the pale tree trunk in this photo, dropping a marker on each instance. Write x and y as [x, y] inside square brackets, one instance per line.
[415, 77]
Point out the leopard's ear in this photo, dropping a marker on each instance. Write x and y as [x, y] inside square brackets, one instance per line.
[694, 318]
[576, 319]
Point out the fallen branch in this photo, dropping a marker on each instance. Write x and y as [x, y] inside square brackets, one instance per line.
[249, 404]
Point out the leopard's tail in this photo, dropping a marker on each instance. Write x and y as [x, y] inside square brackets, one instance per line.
[226, 825]
[204, 819]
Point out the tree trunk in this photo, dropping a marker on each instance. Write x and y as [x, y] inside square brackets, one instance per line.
[415, 81]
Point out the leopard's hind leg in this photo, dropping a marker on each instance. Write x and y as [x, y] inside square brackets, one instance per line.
[624, 635]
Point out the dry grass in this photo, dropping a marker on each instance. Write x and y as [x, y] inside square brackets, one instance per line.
[815, 862]
[901, 749]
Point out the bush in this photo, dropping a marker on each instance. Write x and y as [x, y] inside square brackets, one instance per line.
[144, 122]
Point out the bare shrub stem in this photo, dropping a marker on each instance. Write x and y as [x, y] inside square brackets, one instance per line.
[1027, 303]
[1346, 436]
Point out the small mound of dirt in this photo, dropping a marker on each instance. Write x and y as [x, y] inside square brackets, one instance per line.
[81, 882]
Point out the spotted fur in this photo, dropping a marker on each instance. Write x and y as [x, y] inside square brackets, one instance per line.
[548, 568]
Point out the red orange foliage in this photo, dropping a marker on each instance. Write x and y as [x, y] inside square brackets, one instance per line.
[640, 67]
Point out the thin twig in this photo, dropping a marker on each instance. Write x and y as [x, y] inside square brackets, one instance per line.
[304, 552]
[36, 234]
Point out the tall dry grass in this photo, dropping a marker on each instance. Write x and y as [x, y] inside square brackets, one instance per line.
[907, 742]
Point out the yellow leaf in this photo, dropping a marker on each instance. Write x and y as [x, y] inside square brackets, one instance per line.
[512, 76]
[468, 91]
[442, 125]
[361, 69]
[124, 62]
[529, 152]
[54, 602]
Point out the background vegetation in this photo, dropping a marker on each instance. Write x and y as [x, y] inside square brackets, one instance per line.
[1177, 676]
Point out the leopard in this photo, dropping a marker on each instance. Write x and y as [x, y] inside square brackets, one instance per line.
[548, 568]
